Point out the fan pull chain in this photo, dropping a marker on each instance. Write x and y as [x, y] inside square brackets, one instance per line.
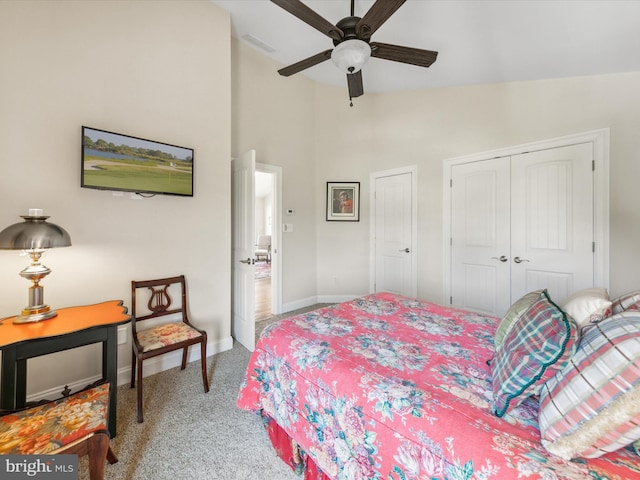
[350, 102]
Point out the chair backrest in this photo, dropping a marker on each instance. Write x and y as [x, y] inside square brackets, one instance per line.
[152, 298]
[264, 241]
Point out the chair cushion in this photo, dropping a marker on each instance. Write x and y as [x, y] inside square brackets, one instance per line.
[166, 334]
[592, 406]
[541, 342]
[45, 428]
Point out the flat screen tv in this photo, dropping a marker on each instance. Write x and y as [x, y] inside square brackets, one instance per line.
[112, 161]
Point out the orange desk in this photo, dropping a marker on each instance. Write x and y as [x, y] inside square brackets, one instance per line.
[73, 327]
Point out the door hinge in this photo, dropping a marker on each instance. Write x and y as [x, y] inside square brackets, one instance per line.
[451, 183]
[450, 300]
[593, 165]
[593, 247]
[450, 241]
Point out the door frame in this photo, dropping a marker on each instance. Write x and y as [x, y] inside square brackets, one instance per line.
[276, 237]
[600, 141]
[413, 170]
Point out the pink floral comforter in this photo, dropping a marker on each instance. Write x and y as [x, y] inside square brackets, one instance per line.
[389, 387]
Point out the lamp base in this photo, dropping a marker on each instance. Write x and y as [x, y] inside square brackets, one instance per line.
[35, 314]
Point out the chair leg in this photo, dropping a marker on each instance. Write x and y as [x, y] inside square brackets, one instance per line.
[111, 457]
[203, 358]
[139, 370]
[133, 369]
[185, 353]
[97, 448]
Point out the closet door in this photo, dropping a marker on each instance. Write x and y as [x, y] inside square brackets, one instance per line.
[522, 223]
[480, 238]
[552, 221]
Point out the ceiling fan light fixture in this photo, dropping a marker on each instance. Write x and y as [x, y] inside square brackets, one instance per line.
[351, 55]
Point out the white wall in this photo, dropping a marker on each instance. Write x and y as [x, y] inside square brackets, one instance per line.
[163, 70]
[274, 116]
[157, 70]
[425, 127]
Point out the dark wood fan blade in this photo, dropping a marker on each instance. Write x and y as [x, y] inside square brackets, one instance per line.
[412, 56]
[354, 81]
[306, 63]
[308, 16]
[376, 16]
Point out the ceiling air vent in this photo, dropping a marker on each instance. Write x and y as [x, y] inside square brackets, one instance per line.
[258, 43]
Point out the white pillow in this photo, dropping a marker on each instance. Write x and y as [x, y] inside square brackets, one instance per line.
[588, 306]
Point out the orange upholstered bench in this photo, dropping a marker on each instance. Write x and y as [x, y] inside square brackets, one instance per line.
[76, 424]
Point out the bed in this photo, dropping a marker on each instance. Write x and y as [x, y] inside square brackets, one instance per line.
[389, 387]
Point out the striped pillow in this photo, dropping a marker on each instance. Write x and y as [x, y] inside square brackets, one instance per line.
[592, 406]
[628, 301]
[540, 342]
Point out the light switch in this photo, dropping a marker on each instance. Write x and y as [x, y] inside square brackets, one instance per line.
[287, 227]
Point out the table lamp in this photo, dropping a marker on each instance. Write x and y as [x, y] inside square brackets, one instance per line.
[34, 236]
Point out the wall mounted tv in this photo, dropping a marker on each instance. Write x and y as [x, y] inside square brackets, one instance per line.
[112, 161]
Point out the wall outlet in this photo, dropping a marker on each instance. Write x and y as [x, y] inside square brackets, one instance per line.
[122, 334]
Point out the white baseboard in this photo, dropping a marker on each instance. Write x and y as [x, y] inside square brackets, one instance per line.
[337, 298]
[151, 367]
[306, 302]
[174, 359]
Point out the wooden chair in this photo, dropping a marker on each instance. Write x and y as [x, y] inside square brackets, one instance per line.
[76, 424]
[166, 337]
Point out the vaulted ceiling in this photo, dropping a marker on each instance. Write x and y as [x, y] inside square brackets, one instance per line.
[479, 41]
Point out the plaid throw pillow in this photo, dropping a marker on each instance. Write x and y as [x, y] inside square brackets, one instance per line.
[540, 342]
[513, 314]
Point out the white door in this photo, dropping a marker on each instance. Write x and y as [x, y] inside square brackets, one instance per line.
[393, 214]
[552, 221]
[522, 223]
[243, 208]
[480, 244]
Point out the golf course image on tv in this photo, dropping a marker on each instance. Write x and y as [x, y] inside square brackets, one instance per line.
[112, 161]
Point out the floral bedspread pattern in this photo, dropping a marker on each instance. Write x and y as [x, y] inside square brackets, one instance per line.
[389, 387]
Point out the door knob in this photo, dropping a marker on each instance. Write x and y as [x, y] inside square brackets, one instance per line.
[501, 258]
[248, 261]
[519, 260]
[405, 250]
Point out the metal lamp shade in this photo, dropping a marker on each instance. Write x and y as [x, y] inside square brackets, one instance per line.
[35, 233]
[34, 236]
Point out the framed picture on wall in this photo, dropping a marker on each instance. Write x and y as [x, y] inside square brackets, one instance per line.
[343, 201]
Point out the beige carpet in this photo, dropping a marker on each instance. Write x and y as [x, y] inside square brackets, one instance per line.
[188, 434]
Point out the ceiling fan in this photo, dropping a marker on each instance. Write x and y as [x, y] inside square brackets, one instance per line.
[351, 37]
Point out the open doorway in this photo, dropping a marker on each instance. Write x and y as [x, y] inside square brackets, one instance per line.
[243, 324]
[264, 223]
